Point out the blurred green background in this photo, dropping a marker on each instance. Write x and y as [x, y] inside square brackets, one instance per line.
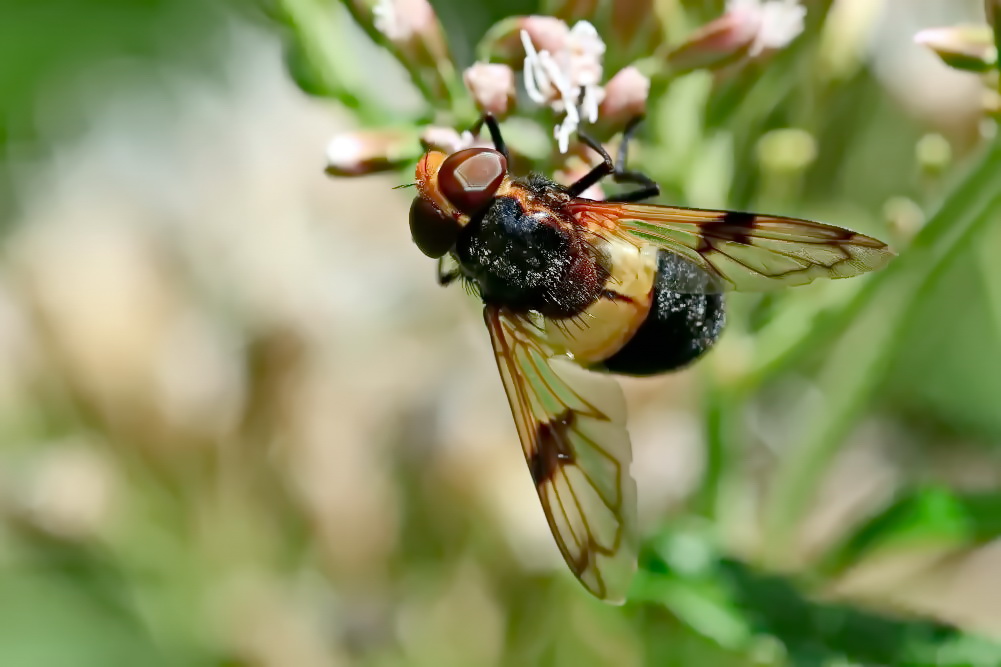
[240, 424]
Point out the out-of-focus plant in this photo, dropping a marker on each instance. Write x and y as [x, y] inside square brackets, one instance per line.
[237, 427]
[547, 77]
[972, 48]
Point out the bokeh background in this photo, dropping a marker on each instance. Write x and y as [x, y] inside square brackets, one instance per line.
[240, 424]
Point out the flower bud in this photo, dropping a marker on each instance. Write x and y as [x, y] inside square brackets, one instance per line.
[448, 140]
[968, 47]
[502, 43]
[747, 29]
[716, 43]
[625, 96]
[788, 150]
[492, 87]
[991, 102]
[412, 27]
[546, 32]
[368, 151]
[933, 153]
[404, 22]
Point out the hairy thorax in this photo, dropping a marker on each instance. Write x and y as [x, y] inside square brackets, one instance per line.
[524, 252]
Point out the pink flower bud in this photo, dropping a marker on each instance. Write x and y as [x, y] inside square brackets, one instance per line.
[368, 151]
[625, 96]
[492, 87]
[503, 41]
[449, 140]
[412, 27]
[716, 43]
[404, 21]
[748, 28]
[546, 32]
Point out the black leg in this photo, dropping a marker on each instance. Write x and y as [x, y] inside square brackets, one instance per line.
[495, 134]
[603, 170]
[616, 169]
[446, 278]
[648, 187]
[627, 138]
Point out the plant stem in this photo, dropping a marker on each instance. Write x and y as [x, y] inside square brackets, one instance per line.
[859, 361]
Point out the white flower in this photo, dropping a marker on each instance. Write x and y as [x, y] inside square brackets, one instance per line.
[567, 80]
[775, 23]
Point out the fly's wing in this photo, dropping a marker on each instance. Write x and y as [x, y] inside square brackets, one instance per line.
[571, 423]
[747, 252]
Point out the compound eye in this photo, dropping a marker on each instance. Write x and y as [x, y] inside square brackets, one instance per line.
[433, 232]
[470, 178]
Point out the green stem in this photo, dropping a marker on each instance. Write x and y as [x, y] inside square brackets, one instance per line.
[314, 33]
[409, 61]
[722, 438]
[859, 361]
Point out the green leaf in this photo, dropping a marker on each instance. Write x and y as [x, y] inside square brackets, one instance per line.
[921, 517]
[741, 609]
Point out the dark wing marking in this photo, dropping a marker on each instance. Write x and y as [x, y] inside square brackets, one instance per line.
[748, 252]
[571, 423]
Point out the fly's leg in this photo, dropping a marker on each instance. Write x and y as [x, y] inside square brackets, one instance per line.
[446, 277]
[493, 128]
[616, 168]
[649, 187]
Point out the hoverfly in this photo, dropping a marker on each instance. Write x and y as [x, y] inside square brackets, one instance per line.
[575, 289]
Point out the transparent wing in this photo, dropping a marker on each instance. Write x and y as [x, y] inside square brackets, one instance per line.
[747, 252]
[571, 423]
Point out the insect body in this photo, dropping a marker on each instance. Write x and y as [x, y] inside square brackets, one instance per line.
[571, 286]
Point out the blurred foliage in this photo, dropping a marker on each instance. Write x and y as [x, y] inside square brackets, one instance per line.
[847, 509]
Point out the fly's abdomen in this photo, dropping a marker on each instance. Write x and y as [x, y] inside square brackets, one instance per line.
[685, 318]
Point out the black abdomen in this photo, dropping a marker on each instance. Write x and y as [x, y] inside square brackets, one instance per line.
[681, 326]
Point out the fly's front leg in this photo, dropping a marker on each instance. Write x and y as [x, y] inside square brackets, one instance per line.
[617, 168]
[493, 127]
[603, 170]
[446, 276]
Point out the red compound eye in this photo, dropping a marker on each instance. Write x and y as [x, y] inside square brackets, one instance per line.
[433, 233]
[469, 178]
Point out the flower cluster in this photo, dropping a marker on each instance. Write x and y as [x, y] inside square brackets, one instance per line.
[569, 80]
[561, 71]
